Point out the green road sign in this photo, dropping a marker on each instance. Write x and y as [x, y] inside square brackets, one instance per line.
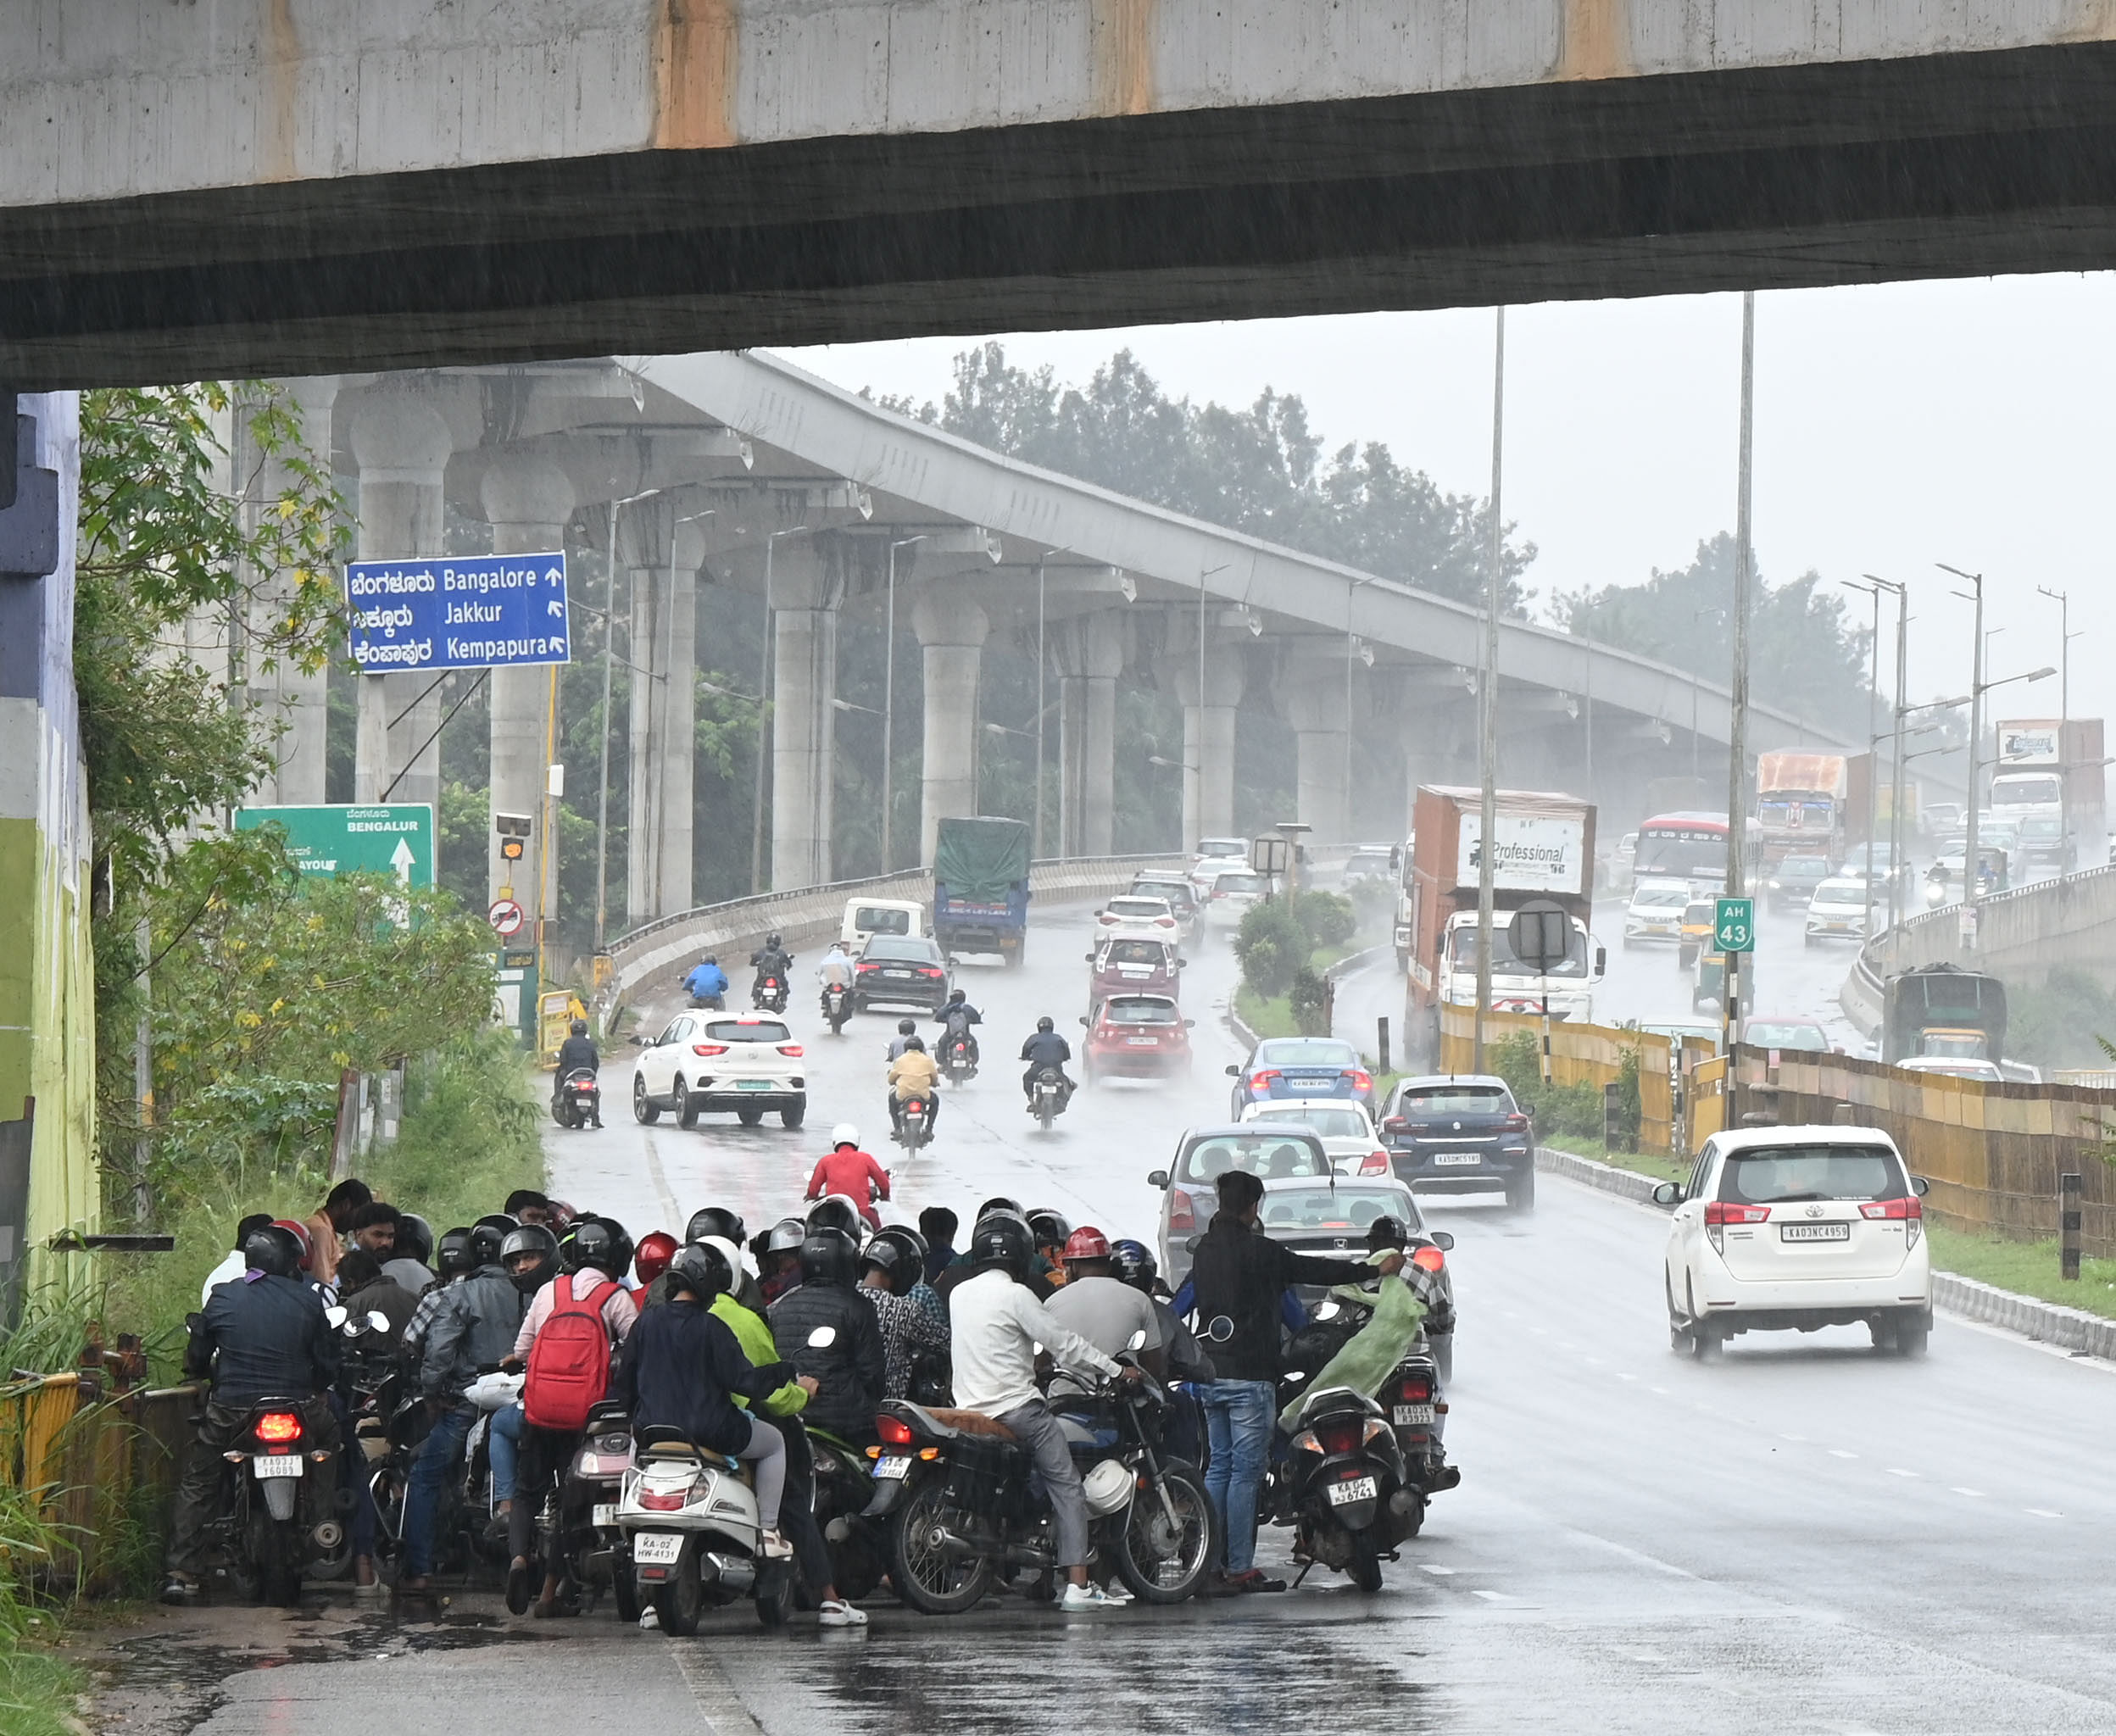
[1733, 925]
[328, 839]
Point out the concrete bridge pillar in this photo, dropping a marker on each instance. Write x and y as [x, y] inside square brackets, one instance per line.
[1208, 733]
[1090, 656]
[1312, 690]
[527, 500]
[807, 585]
[295, 698]
[661, 557]
[401, 445]
[951, 626]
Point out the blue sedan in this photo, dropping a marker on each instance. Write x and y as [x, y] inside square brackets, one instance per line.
[1300, 1066]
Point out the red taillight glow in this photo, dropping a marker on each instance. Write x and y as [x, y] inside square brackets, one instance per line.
[1417, 1389]
[1909, 1206]
[893, 1430]
[1183, 1214]
[929, 970]
[674, 1503]
[914, 1105]
[1428, 1259]
[709, 1049]
[1516, 1124]
[1264, 1079]
[279, 1427]
[864, 965]
[792, 1048]
[1164, 921]
[1726, 1212]
[1361, 1079]
[1339, 1437]
[1375, 1163]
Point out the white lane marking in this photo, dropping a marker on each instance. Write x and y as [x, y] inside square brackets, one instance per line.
[1497, 1597]
[1627, 1376]
[1898, 1470]
[2042, 1512]
[1663, 1391]
[1839, 1453]
[1974, 1495]
[1628, 1553]
[1800, 1438]
[1434, 1567]
[659, 1177]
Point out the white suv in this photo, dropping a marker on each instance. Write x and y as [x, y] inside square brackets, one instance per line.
[708, 1063]
[1656, 911]
[1793, 1229]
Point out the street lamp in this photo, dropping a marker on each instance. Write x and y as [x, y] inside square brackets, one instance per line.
[764, 690]
[1873, 587]
[888, 700]
[2065, 637]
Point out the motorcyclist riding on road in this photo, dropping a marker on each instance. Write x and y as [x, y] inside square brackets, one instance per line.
[956, 1018]
[1046, 1048]
[770, 959]
[706, 980]
[576, 1052]
[850, 1172]
[836, 970]
[913, 1074]
[906, 1034]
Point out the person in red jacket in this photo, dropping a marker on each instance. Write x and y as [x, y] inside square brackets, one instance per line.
[850, 1172]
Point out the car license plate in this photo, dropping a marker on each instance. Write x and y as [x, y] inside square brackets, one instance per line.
[1409, 1414]
[1814, 1233]
[604, 1516]
[754, 1085]
[277, 1465]
[656, 1548]
[1142, 1042]
[894, 1468]
[1457, 1157]
[1353, 1489]
[896, 973]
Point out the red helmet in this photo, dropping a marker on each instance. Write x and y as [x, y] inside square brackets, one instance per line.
[1087, 1242]
[301, 1234]
[656, 1249]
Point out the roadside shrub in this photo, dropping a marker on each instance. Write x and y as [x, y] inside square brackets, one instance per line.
[1271, 946]
[1309, 1001]
[1328, 917]
[1572, 1109]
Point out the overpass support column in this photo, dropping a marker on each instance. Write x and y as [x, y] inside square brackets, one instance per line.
[401, 446]
[1090, 654]
[1312, 690]
[527, 500]
[662, 559]
[297, 697]
[1208, 736]
[806, 589]
[951, 628]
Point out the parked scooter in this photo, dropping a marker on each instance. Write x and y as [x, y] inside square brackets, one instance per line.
[1047, 1097]
[836, 1006]
[577, 1099]
[692, 1535]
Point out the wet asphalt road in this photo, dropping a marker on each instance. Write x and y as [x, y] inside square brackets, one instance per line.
[1802, 1538]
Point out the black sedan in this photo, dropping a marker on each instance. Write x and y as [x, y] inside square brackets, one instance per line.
[901, 970]
[1462, 1133]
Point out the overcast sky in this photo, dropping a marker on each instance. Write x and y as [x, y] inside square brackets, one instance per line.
[1897, 425]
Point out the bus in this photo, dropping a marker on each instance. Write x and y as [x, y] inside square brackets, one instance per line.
[1686, 846]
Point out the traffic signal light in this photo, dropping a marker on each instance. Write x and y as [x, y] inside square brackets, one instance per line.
[514, 835]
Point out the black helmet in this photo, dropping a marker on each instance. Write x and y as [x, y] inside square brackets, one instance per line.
[701, 1270]
[542, 1264]
[787, 1236]
[486, 1236]
[1045, 1024]
[910, 1237]
[1002, 1240]
[835, 1213]
[578, 1027]
[772, 941]
[715, 1220]
[955, 995]
[1386, 1231]
[829, 1256]
[905, 1027]
[599, 1242]
[452, 1255]
[709, 960]
[892, 1256]
[1048, 1227]
[999, 1202]
[916, 1042]
[273, 1250]
[414, 1237]
[1134, 1263]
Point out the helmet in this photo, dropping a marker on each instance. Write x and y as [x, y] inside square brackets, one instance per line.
[578, 1027]
[909, 1237]
[844, 1133]
[787, 1236]
[709, 960]
[999, 1202]
[955, 996]
[916, 1042]
[1049, 1229]
[275, 1249]
[1087, 1242]
[715, 1220]
[836, 1213]
[1386, 1231]
[829, 1256]
[905, 1027]
[537, 1250]
[1135, 1264]
[452, 1255]
[1002, 1240]
[702, 1270]
[729, 1252]
[656, 1249]
[894, 1260]
[1043, 1023]
[599, 1242]
[486, 1236]
[772, 941]
[414, 1237]
[299, 1231]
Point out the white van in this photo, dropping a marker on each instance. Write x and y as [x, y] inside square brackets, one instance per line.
[865, 918]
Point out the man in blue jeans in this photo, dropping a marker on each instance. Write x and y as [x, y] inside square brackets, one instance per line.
[1242, 1274]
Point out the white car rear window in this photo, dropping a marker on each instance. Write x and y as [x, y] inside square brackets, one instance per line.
[733, 1031]
[1779, 1175]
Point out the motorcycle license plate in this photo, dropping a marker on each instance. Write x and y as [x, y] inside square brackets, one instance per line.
[893, 1468]
[1457, 1157]
[1355, 1489]
[656, 1548]
[277, 1465]
[604, 1515]
[754, 1085]
[1405, 1416]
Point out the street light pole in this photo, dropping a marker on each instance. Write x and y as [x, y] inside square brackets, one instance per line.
[602, 793]
[764, 716]
[2063, 600]
[1896, 786]
[1488, 694]
[1972, 861]
[1042, 663]
[889, 705]
[1737, 732]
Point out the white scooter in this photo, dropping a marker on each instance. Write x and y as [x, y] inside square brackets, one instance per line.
[690, 1523]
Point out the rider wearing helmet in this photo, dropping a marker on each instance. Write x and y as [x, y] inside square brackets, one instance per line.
[779, 1259]
[836, 1212]
[995, 1326]
[707, 983]
[262, 1337]
[1107, 1314]
[888, 1268]
[912, 1074]
[906, 1030]
[657, 1247]
[1034, 1275]
[575, 1054]
[1046, 1048]
[770, 959]
[530, 1255]
[850, 1172]
[411, 1263]
[849, 1370]
[716, 1221]
[955, 1019]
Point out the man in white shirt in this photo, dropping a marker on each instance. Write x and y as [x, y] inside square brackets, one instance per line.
[235, 1265]
[995, 1326]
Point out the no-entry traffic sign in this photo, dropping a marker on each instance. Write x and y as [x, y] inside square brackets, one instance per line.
[506, 917]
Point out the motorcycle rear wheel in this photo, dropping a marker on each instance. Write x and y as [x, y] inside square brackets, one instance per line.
[774, 1606]
[682, 1600]
[1365, 1566]
[624, 1591]
[1159, 1563]
[925, 1575]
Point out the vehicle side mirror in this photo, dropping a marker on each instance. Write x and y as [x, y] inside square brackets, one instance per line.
[1157, 1178]
[1602, 961]
[1669, 1193]
[1442, 1240]
[1920, 1186]
[822, 1337]
[1180, 963]
[1083, 1019]
[1233, 1072]
[1088, 957]
[1189, 1024]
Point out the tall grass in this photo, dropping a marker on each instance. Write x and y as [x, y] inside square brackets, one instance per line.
[37, 1688]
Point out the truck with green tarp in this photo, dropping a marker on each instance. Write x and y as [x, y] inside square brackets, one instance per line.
[1942, 1010]
[980, 886]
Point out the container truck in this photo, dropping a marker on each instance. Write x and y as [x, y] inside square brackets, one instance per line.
[1544, 848]
[1800, 804]
[2049, 768]
[980, 886]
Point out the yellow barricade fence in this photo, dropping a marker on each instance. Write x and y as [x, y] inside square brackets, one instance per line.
[1580, 1054]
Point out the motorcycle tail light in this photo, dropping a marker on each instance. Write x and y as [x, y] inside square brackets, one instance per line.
[670, 1501]
[1305, 1442]
[893, 1430]
[279, 1427]
[1416, 1389]
[1344, 1437]
[913, 1106]
[1428, 1259]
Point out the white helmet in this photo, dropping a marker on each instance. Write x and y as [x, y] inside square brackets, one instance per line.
[844, 1133]
[729, 1252]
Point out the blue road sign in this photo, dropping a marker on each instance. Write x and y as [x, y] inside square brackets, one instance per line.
[483, 611]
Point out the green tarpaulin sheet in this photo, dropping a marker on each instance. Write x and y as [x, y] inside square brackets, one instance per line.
[981, 860]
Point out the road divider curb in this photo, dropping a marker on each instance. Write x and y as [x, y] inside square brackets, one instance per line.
[1626, 1184]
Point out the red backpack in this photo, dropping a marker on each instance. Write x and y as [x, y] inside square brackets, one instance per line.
[568, 1363]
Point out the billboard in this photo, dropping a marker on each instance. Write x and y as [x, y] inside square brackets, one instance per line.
[1534, 853]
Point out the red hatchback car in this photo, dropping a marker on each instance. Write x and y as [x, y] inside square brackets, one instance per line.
[1132, 967]
[1136, 1037]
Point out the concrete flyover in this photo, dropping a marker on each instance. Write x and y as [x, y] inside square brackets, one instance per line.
[296, 187]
